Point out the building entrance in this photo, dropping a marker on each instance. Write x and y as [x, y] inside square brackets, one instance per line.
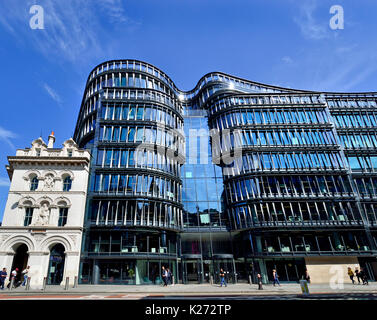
[227, 265]
[192, 271]
[207, 270]
[242, 270]
[20, 259]
[56, 265]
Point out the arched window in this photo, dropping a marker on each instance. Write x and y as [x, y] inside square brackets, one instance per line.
[63, 215]
[67, 183]
[34, 184]
[28, 216]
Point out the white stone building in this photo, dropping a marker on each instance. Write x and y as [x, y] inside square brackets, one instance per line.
[44, 214]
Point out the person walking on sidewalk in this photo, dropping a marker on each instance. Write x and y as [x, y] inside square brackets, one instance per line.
[363, 276]
[222, 278]
[275, 277]
[3, 276]
[168, 276]
[25, 274]
[259, 280]
[307, 276]
[13, 276]
[357, 274]
[164, 276]
[351, 275]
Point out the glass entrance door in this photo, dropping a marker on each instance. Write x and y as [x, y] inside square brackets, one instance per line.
[56, 265]
[242, 270]
[207, 270]
[192, 271]
[227, 266]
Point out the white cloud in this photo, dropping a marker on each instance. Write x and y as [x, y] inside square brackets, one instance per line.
[4, 182]
[287, 60]
[73, 29]
[345, 77]
[52, 93]
[6, 136]
[310, 27]
[114, 9]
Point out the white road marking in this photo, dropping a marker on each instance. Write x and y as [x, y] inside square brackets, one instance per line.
[93, 296]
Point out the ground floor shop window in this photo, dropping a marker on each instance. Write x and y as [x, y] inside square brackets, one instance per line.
[291, 270]
[117, 273]
[126, 271]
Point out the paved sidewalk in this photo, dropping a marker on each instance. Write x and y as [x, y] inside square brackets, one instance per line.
[198, 289]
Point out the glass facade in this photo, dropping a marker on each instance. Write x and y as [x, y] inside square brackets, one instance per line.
[233, 174]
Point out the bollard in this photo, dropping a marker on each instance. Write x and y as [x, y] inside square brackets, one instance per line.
[250, 280]
[66, 283]
[11, 284]
[235, 278]
[44, 283]
[172, 280]
[75, 282]
[28, 283]
[211, 279]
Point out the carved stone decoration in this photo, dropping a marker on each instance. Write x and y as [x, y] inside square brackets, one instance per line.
[44, 215]
[4, 237]
[74, 239]
[49, 183]
[38, 237]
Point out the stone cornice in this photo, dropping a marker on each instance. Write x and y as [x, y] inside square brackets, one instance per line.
[72, 253]
[62, 193]
[38, 253]
[4, 229]
[8, 253]
[63, 161]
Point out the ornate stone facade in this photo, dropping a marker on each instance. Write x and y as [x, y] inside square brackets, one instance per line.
[45, 208]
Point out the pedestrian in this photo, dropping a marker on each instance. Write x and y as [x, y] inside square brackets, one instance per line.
[351, 275]
[275, 277]
[357, 273]
[259, 279]
[164, 276]
[169, 276]
[307, 276]
[13, 276]
[363, 276]
[26, 274]
[222, 278]
[3, 276]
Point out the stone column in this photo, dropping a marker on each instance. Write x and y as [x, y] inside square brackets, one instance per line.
[6, 260]
[71, 266]
[38, 262]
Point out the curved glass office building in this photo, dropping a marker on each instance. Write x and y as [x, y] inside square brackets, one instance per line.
[233, 174]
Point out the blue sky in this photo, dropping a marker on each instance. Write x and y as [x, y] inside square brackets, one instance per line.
[281, 42]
